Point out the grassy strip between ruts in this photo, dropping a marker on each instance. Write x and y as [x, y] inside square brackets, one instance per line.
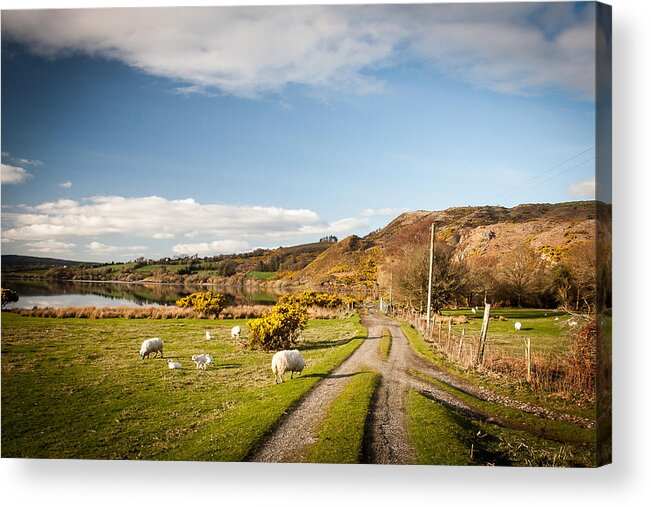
[385, 344]
[442, 436]
[78, 388]
[504, 386]
[341, 435]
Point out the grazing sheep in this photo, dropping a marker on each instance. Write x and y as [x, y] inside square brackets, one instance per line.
[208, 335]
[573, 323]
[474, 311]
[153, 345]
[203, 360]
[173, 365]
[287, 360]
[235, 332]
[518, 326]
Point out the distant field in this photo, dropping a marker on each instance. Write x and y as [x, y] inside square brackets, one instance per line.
[77, 388]
[261, 275]
[547, 334]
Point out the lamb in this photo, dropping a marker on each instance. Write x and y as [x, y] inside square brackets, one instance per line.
[287, 360]
[153, 345]
[235, 332]
[203, 360]
[474, 311]
[173, 365]
[518, 326]
[208, 335]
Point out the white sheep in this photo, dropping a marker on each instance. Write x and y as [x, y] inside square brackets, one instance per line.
[208, 335]
[203, 360]
[153, 345]
[518, 326]
[173, 365]
[473, 310]
[287, 360]
[235, 332]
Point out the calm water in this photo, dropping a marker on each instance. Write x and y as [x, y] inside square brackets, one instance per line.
[58, 294]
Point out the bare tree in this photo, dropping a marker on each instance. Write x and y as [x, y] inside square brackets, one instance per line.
[521, 272]
[412, 276]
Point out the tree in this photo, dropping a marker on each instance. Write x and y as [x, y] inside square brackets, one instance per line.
[9, 296]
[522, 273]
[582, 262]
[412, 277]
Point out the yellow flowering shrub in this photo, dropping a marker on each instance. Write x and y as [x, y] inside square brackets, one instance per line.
[203, 303]
[278, 329]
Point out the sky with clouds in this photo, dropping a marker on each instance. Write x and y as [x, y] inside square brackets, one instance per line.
[172, 131]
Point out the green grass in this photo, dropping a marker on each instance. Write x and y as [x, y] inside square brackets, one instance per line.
[556, 430]
[341, 434]
[385, 344]
[77, 388]
[547, 334]
[261, 275]
[442, 436]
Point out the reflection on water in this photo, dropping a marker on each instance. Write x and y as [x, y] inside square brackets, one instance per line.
[58, 294]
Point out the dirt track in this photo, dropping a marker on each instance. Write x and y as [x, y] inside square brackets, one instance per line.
[387, 439]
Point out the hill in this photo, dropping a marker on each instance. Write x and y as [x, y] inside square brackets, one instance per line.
[473, 231]
[26, 262]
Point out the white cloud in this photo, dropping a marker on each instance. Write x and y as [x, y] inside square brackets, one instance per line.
[160, 218]
[250, 51]
[369, 212]
[26, 161]
[213, 248]
[583, 189]
[65, 184]
[49, 246]
[96, 246]
[11, 175]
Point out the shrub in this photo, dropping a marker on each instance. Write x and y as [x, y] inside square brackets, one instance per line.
[9, 296]
[203, 303]
[278, 329]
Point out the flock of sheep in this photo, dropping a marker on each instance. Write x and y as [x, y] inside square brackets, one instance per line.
[283, 361]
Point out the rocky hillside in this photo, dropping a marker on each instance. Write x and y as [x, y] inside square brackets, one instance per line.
[549, 229]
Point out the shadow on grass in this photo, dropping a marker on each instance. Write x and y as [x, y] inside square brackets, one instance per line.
[332, 375]
[325, 344]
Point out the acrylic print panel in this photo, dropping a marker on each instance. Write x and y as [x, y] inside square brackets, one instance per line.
[332, 234]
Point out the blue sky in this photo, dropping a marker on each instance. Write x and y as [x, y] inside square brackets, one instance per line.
[161, 132]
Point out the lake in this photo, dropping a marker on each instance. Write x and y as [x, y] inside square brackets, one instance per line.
[62, 293]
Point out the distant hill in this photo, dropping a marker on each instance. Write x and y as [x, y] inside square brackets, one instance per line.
[22, 262]
[471, 231]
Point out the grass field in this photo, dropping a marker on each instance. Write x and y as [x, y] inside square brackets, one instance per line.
[77, 388]
[547, 334]
[445, 437]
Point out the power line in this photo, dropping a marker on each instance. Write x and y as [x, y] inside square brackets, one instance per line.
[514, 187]
[555, 176]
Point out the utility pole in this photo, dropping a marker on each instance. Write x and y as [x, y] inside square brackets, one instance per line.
[429, 286]
[391, 291]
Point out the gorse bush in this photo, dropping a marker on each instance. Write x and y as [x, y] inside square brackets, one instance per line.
[278, 329]
[310, 298]
[203, 303]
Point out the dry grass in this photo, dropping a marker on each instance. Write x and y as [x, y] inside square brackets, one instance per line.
[165, 312]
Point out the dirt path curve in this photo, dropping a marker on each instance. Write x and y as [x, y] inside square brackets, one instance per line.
[387, 441]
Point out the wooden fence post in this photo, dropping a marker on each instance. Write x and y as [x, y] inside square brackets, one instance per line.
[447, 347]
[463, 334]
[482, 335]
[527, 355]
[440, 325]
